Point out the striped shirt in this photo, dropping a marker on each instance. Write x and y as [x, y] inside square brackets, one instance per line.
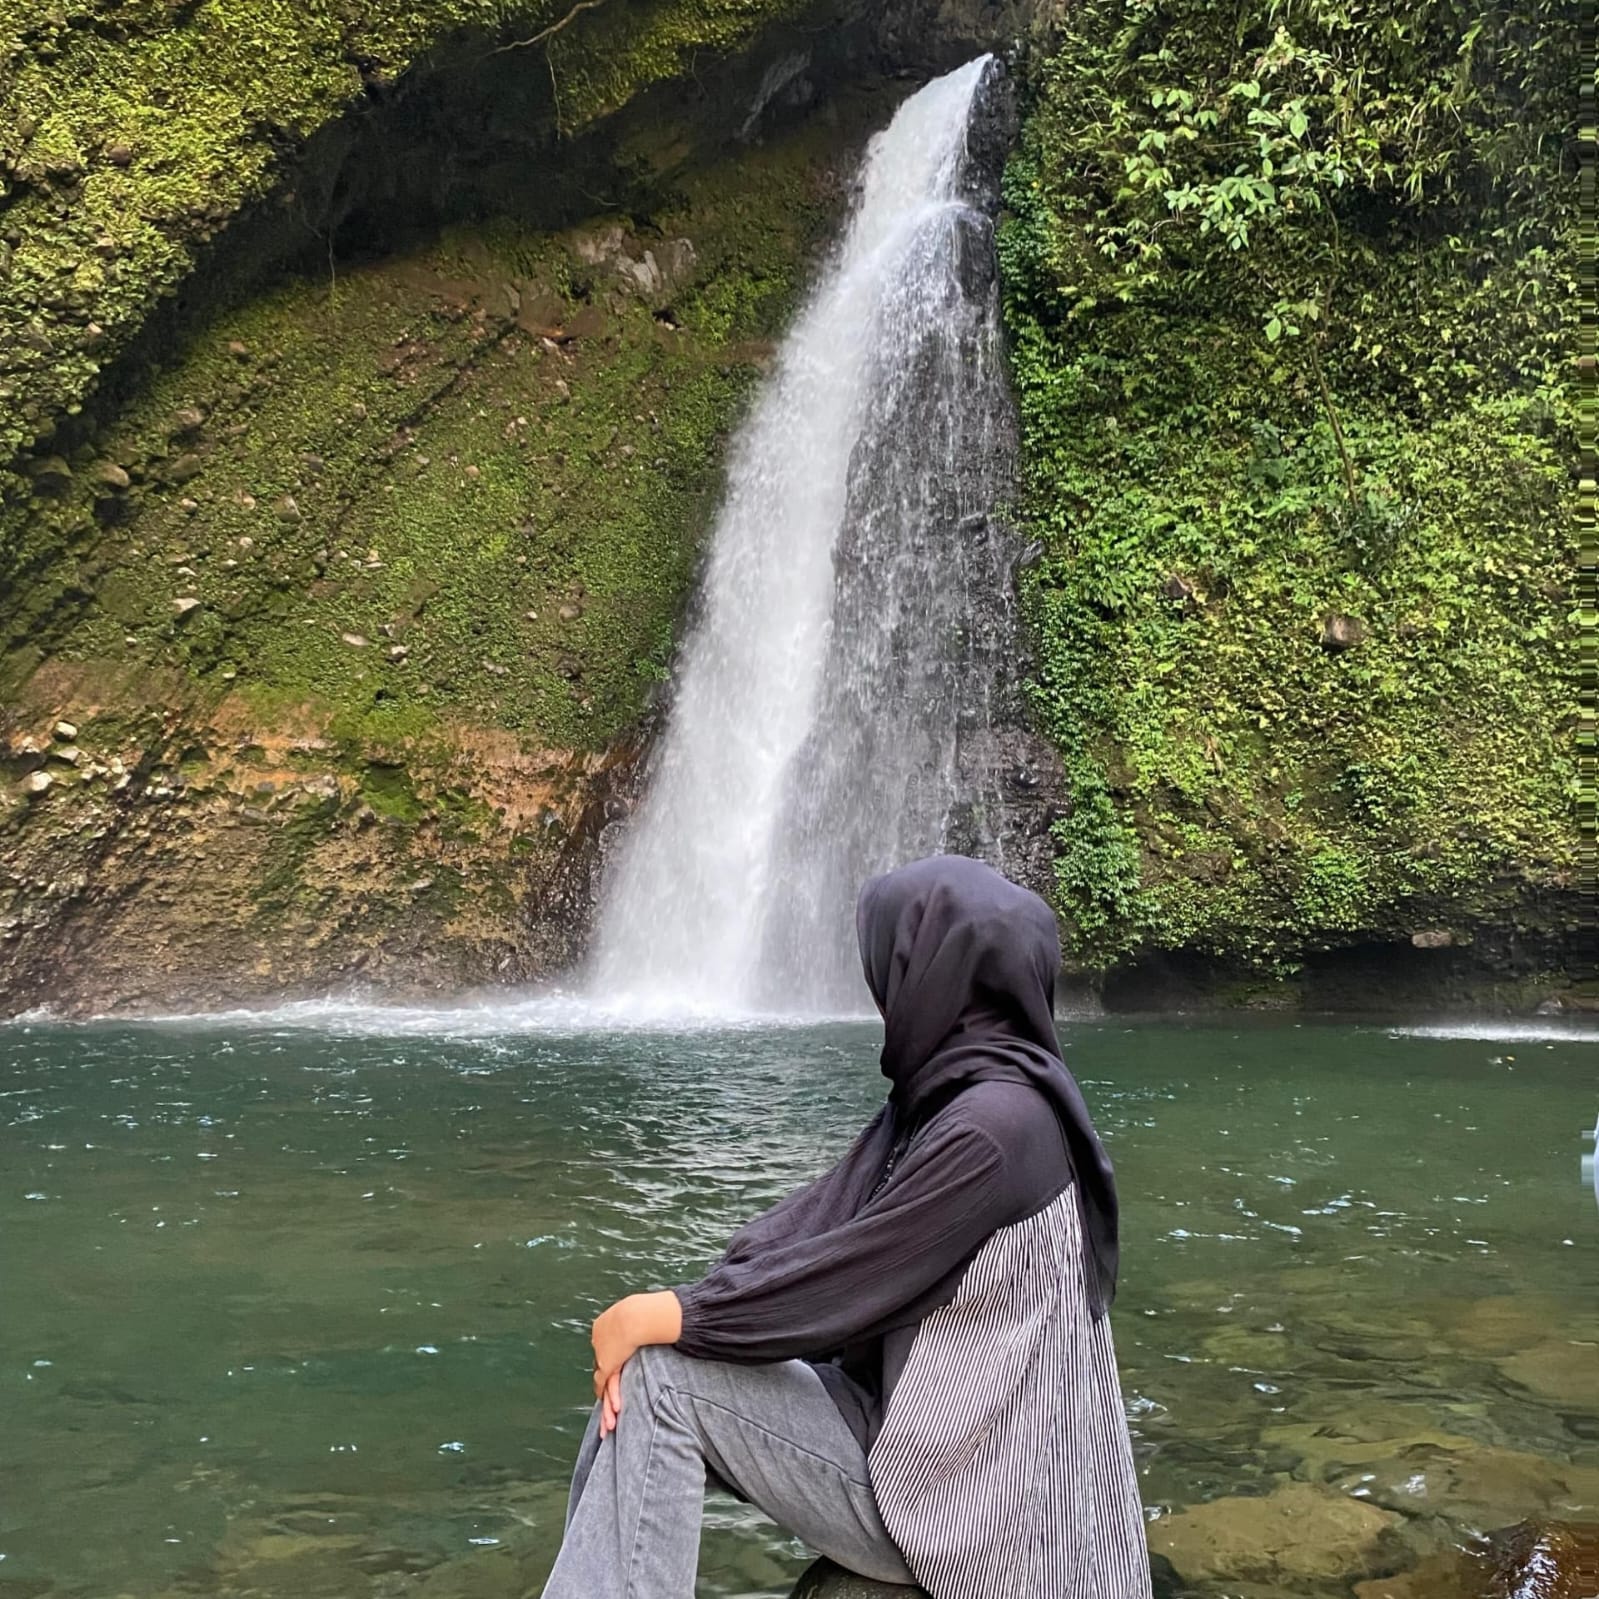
[1003, 1467]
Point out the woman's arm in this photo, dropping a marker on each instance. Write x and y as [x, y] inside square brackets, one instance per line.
[806, 1295]
[795, 1212]
[619, 1333]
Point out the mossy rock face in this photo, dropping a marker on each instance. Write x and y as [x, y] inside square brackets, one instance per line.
[364, 380]
[133, 135]
[138, 142]
[1303, 495]
[466, 480]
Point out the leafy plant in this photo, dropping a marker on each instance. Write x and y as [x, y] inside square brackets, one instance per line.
[1288, 289]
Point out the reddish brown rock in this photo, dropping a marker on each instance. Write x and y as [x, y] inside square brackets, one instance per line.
[1532, 1560]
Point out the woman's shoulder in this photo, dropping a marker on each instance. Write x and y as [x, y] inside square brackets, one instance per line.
[1013, 1116]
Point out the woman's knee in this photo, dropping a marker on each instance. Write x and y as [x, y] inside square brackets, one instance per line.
[653, 1370]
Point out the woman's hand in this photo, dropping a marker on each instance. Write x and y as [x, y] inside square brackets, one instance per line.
[619, 1333]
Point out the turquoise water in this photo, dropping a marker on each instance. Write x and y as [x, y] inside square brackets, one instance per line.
[301, 1309]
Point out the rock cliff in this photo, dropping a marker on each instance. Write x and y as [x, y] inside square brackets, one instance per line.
[366, 385]
[365, 374]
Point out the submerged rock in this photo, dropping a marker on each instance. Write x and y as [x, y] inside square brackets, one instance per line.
[1482, 1486]
[1296, 1532]
[1394, 1457]
[1558, 1369]
[1532, 1560]
[1496, 1324]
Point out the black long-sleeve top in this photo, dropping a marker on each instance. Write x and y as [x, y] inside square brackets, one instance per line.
[841, 1276]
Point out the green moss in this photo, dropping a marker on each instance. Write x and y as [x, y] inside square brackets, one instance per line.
[280, 888]
[135, 132]
[389, 791]
[465, 484]
[391, 724]
[1247, 785]
[601, 65]
[461, 816]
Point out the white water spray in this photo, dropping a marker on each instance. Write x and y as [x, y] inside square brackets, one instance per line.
[838, 661]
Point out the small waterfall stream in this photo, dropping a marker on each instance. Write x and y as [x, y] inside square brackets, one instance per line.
[843, 696]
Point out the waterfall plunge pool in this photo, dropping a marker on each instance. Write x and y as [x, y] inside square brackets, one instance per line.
[300, 1309]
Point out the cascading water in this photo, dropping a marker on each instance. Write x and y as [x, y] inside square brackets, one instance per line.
[847, 697]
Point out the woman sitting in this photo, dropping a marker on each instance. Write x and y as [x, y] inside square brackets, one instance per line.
[907, 1364]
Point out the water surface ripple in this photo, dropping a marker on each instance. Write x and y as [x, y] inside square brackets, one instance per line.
[299, 1309]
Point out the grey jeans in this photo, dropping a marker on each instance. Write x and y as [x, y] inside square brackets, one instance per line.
[769, 1433]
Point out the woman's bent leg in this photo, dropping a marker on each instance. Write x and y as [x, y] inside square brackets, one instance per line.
[587, 1452]
[770, 1432]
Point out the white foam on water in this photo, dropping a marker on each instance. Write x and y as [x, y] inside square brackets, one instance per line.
[1492, 1030]
[550, 1014]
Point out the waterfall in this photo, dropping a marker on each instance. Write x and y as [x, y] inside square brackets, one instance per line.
[844, 695]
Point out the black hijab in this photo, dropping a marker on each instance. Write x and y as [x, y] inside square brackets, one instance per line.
[962, 964]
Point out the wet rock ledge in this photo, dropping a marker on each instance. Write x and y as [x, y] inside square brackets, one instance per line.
[824, 1580]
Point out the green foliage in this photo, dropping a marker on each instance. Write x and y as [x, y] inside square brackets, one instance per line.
[1287, 290]
[624, 48]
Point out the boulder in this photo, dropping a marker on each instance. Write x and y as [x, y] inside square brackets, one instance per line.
[1339, 633]
[824, 1580]
[1298, 1532]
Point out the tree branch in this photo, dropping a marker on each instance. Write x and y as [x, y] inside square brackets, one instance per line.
[554, 28]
